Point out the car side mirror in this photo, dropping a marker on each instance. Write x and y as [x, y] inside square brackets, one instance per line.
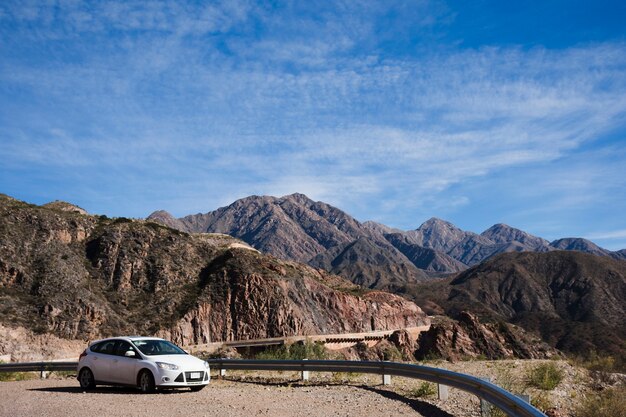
[130, 354]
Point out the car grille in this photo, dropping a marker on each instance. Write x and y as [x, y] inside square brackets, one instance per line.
[190, 379]
[180, 378]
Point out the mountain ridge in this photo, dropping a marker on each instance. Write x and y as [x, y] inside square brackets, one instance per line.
[296, 227]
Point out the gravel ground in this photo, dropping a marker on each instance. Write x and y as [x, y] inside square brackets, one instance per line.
[227, 398]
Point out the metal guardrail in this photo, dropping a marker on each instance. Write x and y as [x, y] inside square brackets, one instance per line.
[38, 366]
[506, 401]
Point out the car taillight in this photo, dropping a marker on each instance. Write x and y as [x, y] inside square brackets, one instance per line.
[82, 355]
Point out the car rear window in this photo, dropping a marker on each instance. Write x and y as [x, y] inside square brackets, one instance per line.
[104, 347]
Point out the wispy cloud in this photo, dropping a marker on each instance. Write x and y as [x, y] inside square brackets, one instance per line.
[211, 102]
[611, 235]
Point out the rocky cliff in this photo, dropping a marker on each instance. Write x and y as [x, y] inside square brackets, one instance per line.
[467, 337]
[81, 277]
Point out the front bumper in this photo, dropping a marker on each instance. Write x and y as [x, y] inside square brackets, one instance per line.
[182, 378]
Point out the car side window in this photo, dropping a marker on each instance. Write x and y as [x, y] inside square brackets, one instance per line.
[104, 347]
[123, 347]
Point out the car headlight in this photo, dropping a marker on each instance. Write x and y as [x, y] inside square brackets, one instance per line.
[206, 364]
[168, 366]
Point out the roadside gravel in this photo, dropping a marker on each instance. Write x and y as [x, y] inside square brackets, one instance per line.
[63, 398]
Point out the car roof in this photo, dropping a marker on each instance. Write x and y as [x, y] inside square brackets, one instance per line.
[126, 338]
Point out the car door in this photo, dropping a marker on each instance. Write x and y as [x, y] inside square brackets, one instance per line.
[123, 368]
[101, 361]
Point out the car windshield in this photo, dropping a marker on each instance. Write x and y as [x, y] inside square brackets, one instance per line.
[158, 347]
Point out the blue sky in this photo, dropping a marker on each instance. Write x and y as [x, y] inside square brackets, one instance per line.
[396, 111]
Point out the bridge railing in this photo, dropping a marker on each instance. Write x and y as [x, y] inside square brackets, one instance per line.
[499, 397]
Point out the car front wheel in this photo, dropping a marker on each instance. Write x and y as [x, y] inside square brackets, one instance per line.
[86, 379]
[146, 382]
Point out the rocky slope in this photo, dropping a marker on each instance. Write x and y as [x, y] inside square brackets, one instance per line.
[370, 263]
[424, 258]
[575, 301]
[81, 277]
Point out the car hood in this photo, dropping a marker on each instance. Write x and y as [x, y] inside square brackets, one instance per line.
[184, 361]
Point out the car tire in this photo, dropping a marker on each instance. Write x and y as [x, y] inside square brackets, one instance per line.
[86, 379]
[197, 388]
[146, 382]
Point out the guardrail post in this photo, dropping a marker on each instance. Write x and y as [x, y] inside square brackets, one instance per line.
[304, 374]
[485, 407]
[43, 374]
[442, 392]
[386, 378]
[222, 373]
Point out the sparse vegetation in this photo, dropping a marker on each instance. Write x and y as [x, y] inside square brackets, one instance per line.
[601, 365]
[545, 376]
[15, 376]
[343, 377]
[542, 401]
[425, 389]
[296, 351]
[506, 380]
[607, 403]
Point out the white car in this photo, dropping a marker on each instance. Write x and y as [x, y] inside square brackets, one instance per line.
[145, 362]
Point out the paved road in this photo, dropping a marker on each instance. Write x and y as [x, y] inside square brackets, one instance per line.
[223, 398]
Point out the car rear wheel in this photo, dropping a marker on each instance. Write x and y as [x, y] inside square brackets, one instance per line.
[86, 379]
[197, 388]
[146, 382]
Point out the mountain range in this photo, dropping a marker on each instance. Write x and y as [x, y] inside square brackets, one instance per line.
[73, 275]
[371, 254]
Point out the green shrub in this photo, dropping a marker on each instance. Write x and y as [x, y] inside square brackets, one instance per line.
[391, 353]
[545, 376]
[425, 389]
[607, 403]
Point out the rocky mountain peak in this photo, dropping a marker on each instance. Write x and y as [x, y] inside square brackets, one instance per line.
[578, 244]
[503, 233]
[435, 223]
[165, 218]
[438, 234]
[298, 198]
